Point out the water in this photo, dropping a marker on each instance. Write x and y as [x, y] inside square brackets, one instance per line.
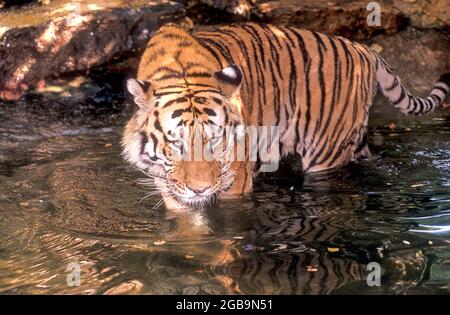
[68, 199]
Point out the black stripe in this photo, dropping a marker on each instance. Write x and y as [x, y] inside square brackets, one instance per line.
[332, 104]
[393, 86]
[164, 69]
[437, 98]
[292, 79]
[166, 93]
[175, 101]
[339, 128]
[217, 44]
[401, 97]
[169, 76]
[208, 91]
[173, 36]
[320, 47]
[440, 88]
[249, 29]
[155, 141]
[158, 125]
[179, 112]
[198, 75]
[306, 66]
[276, 94]
[217, 100]
[209, 111]
[421, 106]
[211, 50]
[144, 141]
[273, 50]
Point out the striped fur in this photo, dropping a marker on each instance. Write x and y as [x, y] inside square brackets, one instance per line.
[317, 88]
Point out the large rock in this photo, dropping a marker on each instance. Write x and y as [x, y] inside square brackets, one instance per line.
[235, 7]
[43, 42]
[60, 37]
[426, 13]
[418, 57]
[340, 17]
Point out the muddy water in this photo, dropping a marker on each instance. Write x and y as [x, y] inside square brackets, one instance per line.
[68, 201]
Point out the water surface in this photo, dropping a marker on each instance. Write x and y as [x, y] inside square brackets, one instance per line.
[66, 197]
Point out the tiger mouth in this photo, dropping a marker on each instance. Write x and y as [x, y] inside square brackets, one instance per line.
[187, 198]
[190, 200]
[197, 201]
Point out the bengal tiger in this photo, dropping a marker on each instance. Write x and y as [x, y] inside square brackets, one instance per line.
[316, 88]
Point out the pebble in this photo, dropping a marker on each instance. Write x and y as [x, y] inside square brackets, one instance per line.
[280, 246]
[159, 242]
[249, 247]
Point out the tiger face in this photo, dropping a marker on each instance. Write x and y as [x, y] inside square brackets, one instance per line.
[176, 137]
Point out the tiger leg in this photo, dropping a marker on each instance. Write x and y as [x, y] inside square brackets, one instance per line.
[362, 150]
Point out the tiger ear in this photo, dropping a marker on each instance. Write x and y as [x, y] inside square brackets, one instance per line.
[139, 89]
[230, 80]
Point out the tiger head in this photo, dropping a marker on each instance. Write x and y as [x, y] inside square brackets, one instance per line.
[162, 137]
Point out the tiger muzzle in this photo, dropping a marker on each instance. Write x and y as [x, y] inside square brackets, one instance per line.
[199, 176]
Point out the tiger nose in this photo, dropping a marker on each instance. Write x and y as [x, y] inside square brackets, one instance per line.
[198, 176]
[198, 185]
[198, 189]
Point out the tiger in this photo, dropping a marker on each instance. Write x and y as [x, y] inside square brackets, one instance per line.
[317, 90]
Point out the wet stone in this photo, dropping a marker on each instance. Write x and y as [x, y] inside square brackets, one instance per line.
[74, 37]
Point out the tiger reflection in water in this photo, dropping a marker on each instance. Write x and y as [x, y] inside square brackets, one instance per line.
[284, 249]
[294, 243]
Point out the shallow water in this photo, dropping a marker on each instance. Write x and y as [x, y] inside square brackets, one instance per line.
[68, 199]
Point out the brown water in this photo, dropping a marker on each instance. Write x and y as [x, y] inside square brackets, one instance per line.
[67, 197]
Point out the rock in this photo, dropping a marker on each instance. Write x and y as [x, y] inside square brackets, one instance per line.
[6, 4]
[50, 39]
[45, 42]
[220, 11]
[426, 13]
[340, 17]
[237, 7]
[418, 57]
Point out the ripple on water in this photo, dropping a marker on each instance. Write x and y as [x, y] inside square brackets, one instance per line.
[73, 200]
